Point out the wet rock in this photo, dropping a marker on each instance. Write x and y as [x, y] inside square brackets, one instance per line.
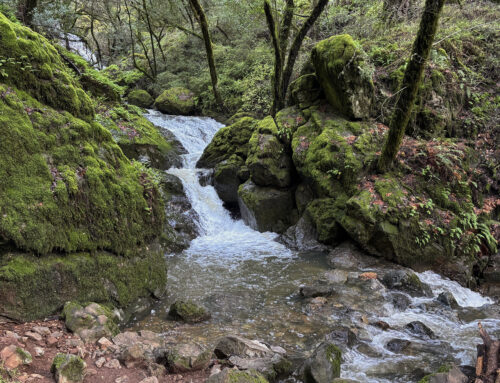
[397, 345]
[400, 301]
[452, 374]
[347, 256]
[447, 299]
[342, 337]
[342, 380]
[68, 368]
[266, 208]
[336, 276]
[420, 329]
[235, 376]
[302, 237]
[344, 75]
[317, 289]
[188, 312]
[13, 356]
[382, 325]
[227, 179]
[176, 101]
[188, 357]
[134, 349]
[140, 98]
[407, 281]
[234, 345]
[324, 364]
[91, 322]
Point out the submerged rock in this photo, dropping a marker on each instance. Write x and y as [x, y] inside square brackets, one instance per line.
[302, 237]
[447, 299]
[176, 101]
[188, 311]
[406, 281]
[420, 329]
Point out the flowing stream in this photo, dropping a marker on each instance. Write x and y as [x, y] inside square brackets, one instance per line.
[249, 283]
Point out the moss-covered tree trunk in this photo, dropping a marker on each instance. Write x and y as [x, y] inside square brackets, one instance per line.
[202, 19]
[411, 82]
[278, 64]
[26, 10]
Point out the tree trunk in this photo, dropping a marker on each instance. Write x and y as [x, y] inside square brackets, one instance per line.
[26, 9]
[411, 82]
[278, 63]
[398, 10]
[488, 355]
[297, 43]
[208, 46]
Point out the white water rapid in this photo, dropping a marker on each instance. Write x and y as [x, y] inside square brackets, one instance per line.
[249, 283]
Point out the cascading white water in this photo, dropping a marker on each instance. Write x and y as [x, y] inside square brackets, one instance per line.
[228, 240]
[249, 283]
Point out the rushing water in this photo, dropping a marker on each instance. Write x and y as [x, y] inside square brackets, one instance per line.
[249, 283]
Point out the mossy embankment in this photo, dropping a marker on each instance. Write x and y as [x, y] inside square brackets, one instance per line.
[428, 212]
[78, 218]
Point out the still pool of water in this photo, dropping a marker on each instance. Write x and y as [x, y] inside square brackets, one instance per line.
[249, 283]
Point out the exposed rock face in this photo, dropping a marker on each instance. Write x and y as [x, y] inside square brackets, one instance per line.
[91, 322]
[324, 364]
[344, 76]
[140, 98]
[68, 368]
[265, 208]
[135, 349]
[227, 179]
[188, 311]
[178, 101]
[306, 90]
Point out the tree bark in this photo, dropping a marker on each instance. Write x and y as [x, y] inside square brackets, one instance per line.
[26, 9]
[278, 63]
[202, 19]
[488, 355]
[297, 43]
[411, 82]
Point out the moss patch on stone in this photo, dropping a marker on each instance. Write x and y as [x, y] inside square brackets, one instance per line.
[176, 101]
[140, 98]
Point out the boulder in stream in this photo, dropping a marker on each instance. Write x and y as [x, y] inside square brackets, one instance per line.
[420, 329]
[188, 312]
[176, 101]
[407, 281]
[324, 364]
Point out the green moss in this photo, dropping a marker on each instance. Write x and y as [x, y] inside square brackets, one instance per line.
[188, 311]
[325, 214]
[32, 287]
[334, 355]
[68, 366]
[233, 139]
[66, 185]
[140, 98]
[99, 85]
[176, 101]
[34, 65]
[25, 355]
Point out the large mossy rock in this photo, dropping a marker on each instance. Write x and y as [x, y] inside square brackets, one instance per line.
[188, 357]
[324, 364]
[235, 376]
[228, 176]
[266, 208]
[178, 101]
[68, 368]
[306, 91]
[140, 98]
[67, 186]
[33, 287]
[34, 65]
[188, 311]
[230, 140]
[344, 75]
[268, 161]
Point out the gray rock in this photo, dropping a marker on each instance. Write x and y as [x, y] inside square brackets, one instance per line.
[400, 301]
[421, 330]
[134, 349]
[227, 179]
[447, 299]
[188, 312]
[302, 237]
[234, 345]
[236, 376]
[319, 288]
[324, 364]
[452, 376]
[407, 281]
[188, 357]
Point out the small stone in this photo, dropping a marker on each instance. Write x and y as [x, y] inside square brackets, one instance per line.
[188, 312]
[102, 319]
[420, 329]
[11, 334]
[74, 343]
[42, 330]
[51, 341]
[381, 324]
[122, 379]
[151, 379]
[33, 335]
[114, 364]
[100, 362]
[57, 334]
[155, 369]
[35, 377]
[104, 343]
[215, 370]
[367, 276]
[39, 351]
[91, 372]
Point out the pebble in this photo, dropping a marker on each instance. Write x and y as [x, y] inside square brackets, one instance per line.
[42, 330]
[57, 334]
[39, 351]
[33, 335]
[51, 340]
[90, 371]
[12, 334]
[122, 379]
[100, 362]
[105, 343]
[113, 363]
[151, 379]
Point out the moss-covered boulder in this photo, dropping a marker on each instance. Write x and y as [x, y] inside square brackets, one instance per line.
[235, 376]
[34, 287]
[67, 186]
[100, 86]
[179, 101]
[140, 98]
[306, 91]
[91, 322]
[68, 368]
[34, 65]
[232, 139]
[344, 75]
[324, 364]
[268, 162]
[188, 311]
[188, 357]
[266, 208]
